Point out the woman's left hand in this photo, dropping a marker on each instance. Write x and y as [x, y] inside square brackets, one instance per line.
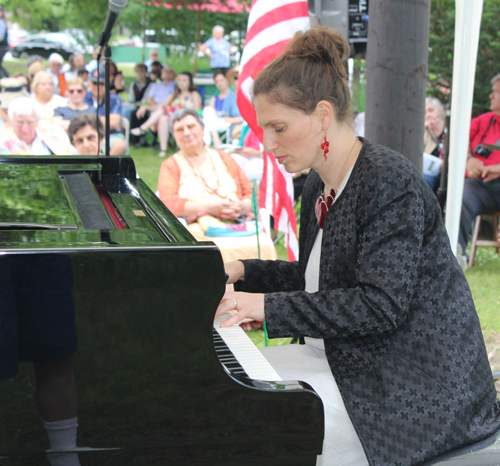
[248, 306]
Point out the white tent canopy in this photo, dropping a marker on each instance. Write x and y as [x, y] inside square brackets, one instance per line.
[467, 27]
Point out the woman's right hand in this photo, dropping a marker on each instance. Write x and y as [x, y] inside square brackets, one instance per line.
[474, 167]
[219, 208]
[141, 112]
[235, 270]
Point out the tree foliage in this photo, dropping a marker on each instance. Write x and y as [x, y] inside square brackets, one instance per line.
[36, 15]
[441, 54]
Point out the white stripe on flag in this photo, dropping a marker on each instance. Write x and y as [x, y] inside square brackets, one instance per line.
[260, 8]
[272, 35]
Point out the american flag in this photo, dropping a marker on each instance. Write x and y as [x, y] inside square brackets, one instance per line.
[271, 24]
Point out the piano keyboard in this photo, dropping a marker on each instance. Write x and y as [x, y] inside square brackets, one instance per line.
[241, 356]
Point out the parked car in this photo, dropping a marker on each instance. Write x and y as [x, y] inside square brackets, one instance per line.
[17, 35]
[45, 44]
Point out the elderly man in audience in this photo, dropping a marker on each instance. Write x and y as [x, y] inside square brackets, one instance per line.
[481, 193]
[159, 91]
[118, 145]
[24, 137]
[86, 134]
[56, 63]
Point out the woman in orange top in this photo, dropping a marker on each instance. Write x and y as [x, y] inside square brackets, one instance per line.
[197, 181]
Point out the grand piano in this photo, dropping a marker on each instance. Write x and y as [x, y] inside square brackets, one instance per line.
[157, 382]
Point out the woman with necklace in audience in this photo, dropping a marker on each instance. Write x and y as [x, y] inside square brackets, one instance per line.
[199, 183]
[393, 344]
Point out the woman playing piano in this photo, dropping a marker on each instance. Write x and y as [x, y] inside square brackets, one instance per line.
[393, 343]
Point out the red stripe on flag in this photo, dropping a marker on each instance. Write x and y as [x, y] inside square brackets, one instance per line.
[282, 13]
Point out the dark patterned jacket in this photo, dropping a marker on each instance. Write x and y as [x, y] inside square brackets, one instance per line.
[402, 336]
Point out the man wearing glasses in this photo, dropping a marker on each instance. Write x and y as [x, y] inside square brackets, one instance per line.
[25, 138]
[118, 145]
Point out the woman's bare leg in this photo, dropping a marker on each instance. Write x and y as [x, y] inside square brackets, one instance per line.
[163, 132]
[155, 116]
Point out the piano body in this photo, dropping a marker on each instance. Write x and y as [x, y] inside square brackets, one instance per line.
[151, 388]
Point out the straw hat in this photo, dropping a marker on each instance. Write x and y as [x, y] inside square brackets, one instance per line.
[10, 88]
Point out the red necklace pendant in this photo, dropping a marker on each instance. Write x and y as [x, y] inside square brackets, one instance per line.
[321, 208]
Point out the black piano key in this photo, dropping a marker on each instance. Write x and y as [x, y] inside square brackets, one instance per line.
[226, 356]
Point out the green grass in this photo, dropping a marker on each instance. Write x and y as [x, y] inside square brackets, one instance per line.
[484, 279]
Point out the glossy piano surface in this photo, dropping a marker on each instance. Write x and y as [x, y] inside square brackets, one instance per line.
[137, 296]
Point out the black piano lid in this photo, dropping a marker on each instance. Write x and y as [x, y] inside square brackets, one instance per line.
[40, 207]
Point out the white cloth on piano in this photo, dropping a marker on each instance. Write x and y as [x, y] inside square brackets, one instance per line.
[308, 363]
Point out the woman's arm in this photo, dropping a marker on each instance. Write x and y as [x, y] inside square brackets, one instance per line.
[377, 299]
[198, 105]
[212, 102]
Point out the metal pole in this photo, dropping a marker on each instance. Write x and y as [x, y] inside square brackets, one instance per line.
[107, 92]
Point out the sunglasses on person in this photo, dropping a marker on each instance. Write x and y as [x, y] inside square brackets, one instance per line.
[76, 91]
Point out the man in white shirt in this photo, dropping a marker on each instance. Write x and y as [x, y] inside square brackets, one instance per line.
[23, 137]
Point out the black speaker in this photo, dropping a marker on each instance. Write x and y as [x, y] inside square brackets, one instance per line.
[349, 17]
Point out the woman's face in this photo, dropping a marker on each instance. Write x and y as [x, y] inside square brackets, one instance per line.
[183, 82]
[86, 140]
[45, 86]
[188, 134]
[221, 83]
[76, 93]
[292, 136]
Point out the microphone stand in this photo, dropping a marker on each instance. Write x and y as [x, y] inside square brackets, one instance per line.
[106, 55]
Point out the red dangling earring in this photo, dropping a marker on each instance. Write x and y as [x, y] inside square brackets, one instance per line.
[325, 146]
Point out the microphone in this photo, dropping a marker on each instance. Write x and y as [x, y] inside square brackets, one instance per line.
[115, 6]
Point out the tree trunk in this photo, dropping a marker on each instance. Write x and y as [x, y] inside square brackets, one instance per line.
[197, 42]
[398, 41]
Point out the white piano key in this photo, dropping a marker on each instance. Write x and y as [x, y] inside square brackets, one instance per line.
[247, 354]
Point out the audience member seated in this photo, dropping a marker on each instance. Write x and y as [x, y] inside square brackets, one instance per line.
[26, 137]
[154, 56]
[204, 185]
[136, 93]
[184, 96]
[435, 122]
[118, 145]
[86, 134]
[33, 69]
[115, 78]
[158, 92]
[222, 113]
[84, 75]
[45, 99]
[482, 183]
[10, 89]
[156, 68]
[76, 104]
[154, 75]
[75, 62]
[55, 69]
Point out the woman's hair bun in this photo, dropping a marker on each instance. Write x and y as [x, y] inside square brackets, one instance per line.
[312, 68]
[320, 44]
